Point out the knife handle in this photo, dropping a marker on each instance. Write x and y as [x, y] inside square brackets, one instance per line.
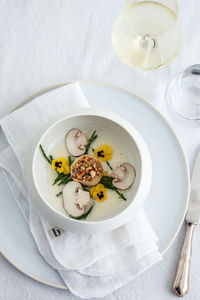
[181, 282]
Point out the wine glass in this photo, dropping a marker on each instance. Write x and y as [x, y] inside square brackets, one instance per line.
[146, 34]
[183, 94]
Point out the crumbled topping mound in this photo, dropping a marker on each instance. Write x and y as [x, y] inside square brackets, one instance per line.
[86, 168]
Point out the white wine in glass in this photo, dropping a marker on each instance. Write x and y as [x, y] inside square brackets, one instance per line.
[146, 35]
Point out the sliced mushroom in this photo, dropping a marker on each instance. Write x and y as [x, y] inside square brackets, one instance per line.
[83, 200]
[123, 176]
[87, 170]
[76, 201]
[76, 142]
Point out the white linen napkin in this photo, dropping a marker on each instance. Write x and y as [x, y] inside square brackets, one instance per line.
[90, 265]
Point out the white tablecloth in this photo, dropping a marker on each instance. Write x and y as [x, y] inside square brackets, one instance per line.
[47, 42]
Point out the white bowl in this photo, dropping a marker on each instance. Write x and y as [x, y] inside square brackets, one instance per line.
[114, 127]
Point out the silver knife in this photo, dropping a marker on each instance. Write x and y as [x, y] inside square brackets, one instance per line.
[181, 282]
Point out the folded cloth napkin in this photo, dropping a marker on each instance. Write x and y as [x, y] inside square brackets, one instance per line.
[90, 265]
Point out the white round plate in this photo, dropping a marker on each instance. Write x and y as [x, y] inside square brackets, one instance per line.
[165, 206]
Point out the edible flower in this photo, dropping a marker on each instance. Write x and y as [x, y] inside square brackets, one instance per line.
[99, 192]
[61, 165]
[104, 153]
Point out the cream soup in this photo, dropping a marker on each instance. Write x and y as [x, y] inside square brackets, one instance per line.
[113, 201]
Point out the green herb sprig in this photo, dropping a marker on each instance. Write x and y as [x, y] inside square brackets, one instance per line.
[70, 160]
[49, 159]
[86, 188]
[62, 179]
[59, 194]
[91, 140]
[107, 182]
[109, 165]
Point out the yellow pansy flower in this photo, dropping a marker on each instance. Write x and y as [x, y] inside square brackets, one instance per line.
[104, 153]
[99, 192]
[61, 165]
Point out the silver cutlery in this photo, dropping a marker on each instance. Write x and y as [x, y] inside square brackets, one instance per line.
[181, 282]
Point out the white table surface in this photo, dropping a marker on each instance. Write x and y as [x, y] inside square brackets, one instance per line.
[43, 43]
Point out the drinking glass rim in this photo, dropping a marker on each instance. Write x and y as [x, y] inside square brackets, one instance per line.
[176, 13]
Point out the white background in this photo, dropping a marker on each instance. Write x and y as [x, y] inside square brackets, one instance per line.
[45, 42]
